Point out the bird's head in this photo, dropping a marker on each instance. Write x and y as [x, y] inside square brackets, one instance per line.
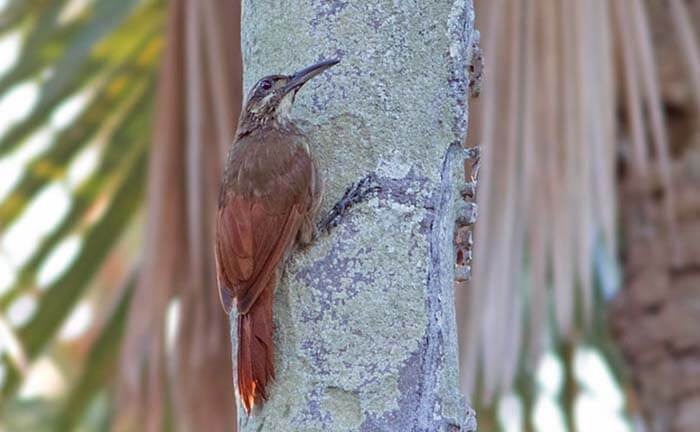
[271, 98]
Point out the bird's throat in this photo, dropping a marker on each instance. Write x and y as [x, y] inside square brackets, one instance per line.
[283, 113]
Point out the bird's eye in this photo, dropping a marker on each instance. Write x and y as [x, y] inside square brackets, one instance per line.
[266, 85]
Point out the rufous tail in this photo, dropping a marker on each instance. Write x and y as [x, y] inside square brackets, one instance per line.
[255, 351]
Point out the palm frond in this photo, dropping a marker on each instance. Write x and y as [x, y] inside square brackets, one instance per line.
[549, 135]
[60, 297]
[69, 73]
[52, 166]
[106, 54]
[100, 364]
[689, 43]
[198, 102]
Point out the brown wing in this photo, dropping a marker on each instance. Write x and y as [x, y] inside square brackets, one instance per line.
[264, 200]
[251, 241]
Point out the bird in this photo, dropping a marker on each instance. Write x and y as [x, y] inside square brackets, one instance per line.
[270, 195]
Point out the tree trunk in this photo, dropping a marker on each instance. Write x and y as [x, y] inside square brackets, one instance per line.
[656, 317]
[364, 319]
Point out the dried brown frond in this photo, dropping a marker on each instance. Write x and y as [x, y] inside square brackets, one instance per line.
[689, 44]
[549, 135]
[198, 104]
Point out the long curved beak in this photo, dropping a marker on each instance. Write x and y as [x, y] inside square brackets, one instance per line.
[301, 77]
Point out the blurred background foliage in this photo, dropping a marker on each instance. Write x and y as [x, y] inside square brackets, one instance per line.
[101, 123]
[114, 115]
[77, 104]
[588, 201]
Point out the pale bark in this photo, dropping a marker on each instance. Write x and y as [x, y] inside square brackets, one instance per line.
[365, 326]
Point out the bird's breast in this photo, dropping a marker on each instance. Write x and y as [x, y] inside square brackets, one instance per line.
[275, 166]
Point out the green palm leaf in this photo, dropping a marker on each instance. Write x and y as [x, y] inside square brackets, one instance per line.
[52, 165]
[100, 363]
[108, 53]
[76, 68]
[114, 161]
[63, 294]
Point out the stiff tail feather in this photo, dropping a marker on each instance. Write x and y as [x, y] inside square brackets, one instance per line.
[255, 351]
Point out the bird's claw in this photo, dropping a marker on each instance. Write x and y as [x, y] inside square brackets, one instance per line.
[356, 193]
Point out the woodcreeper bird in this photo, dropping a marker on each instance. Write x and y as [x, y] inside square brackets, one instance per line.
[269, 198]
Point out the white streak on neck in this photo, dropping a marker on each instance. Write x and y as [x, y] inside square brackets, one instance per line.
[284, 109]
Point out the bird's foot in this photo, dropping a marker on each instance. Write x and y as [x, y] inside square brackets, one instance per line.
[356, 193]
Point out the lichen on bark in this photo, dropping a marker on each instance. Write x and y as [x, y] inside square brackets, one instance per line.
[364, 319]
